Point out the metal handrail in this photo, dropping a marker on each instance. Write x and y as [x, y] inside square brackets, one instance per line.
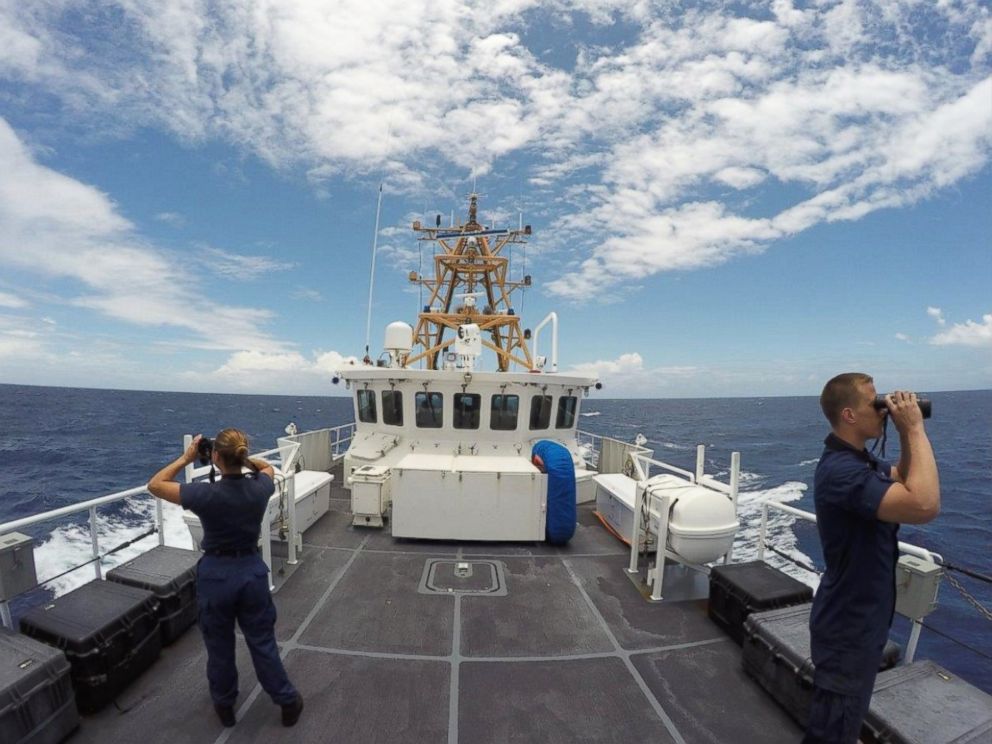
[927, 555]
[190, 473]
[65, 511]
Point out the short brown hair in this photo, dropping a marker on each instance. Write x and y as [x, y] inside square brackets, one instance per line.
[841, 392]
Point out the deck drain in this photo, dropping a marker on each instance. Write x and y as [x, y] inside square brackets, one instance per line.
[446, 576]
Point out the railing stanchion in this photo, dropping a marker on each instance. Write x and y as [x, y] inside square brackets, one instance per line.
[5, 618]
[664, 504]
[914, 637]
[291, 508]
[160, 521]
[266, 538]
[188, 470]
[762, 533]
[95, 540]
[735, 485]
[700, 461]
[635, 537]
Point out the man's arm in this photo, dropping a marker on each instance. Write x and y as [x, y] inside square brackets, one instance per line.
[163, 484]
[915, 497]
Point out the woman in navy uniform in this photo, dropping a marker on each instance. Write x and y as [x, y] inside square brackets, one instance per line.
[232, 581]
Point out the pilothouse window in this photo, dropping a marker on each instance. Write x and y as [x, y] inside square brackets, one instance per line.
[503, 412]
[366, 406]
[540, 411]
[392, 407]
[566, 412]
[430, 407]
[466, 410]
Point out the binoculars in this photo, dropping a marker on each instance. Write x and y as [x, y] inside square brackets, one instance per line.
[924, 404]
[204, 448]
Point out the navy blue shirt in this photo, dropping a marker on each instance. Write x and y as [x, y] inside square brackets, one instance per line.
[230, 510]
[853, 606]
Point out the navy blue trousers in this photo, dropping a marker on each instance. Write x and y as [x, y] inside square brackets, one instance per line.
[230, 589]
[842, 686]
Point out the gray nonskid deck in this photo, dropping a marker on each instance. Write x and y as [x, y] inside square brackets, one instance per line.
[572, 653]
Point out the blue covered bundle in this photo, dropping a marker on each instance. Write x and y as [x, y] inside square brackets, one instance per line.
[560, 524]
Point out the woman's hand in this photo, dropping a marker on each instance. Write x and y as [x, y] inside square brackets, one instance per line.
[190, 454]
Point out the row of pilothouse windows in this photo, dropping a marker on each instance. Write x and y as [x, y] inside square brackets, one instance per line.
[466, 410]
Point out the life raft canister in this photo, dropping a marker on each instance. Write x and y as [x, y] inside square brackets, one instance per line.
[555, 460]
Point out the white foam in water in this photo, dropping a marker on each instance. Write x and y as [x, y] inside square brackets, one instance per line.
[778, 530]
[70, 546]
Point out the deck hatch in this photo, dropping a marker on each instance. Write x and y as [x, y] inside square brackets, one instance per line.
[447, 576]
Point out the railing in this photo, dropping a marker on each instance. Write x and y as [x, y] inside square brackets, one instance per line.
[923, 553]
[286, 455]
[320, 449]
[608, 454]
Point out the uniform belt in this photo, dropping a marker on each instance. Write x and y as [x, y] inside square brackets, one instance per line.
[235, 553]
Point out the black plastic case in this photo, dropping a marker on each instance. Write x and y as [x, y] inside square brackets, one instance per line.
[170, 573]
[738, 589]
[109, 633]
[36, 701]
[777, 654]
[921, 703]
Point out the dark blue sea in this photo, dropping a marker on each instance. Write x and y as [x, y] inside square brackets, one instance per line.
[60, 446]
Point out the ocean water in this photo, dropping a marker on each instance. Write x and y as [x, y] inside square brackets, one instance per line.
[60, 446]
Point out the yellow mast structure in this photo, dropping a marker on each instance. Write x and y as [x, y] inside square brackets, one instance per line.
[470, 263]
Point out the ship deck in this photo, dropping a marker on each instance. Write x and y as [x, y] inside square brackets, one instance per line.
[571, 653]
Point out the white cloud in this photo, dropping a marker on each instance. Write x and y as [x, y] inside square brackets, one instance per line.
[58, 227]
[627, 374]
[903, 337]
[936, 314]
[630, 363]
[663, 142]
[307, 294]
[969, 333]
[279, 372]
[15, 347]
[171, 218]
[12, 301]
[238, 266]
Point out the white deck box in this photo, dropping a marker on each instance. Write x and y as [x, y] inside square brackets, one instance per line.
[615, 494]
[452, 497]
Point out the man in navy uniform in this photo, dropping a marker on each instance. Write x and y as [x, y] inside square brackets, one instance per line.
[860, 501]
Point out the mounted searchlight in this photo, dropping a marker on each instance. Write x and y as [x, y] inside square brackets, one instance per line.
[468, 345]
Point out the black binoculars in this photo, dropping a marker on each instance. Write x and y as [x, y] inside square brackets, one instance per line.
[924, 404]
[204, 448]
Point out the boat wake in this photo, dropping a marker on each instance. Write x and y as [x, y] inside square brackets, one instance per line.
[779, 529]
[70, 546]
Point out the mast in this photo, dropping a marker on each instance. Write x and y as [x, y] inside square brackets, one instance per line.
[469, 268]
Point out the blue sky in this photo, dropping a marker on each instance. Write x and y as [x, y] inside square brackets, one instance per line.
[726, 199]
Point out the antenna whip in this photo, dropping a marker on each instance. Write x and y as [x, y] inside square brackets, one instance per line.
[375, 244]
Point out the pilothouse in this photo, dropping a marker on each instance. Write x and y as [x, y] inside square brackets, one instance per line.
[441, 446]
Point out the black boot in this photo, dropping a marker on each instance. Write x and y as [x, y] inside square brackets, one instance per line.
[226, 714]
[291, 711]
